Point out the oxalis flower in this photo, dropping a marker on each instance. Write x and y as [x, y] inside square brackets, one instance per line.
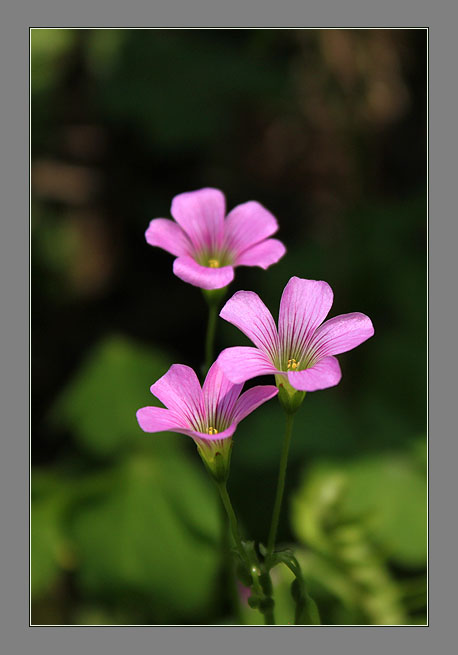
[301, 353]
[209, 415]
[209, 245]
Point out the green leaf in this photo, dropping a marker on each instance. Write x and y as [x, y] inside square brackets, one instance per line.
[307, 612]
[152, 537]
[100, 403]
[50, 549]
[393, 490]
[45, 537]
[349, 563]
[388, 490]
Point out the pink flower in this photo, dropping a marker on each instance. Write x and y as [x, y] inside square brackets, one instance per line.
[209, 415]
[302, 350]
[209, 245]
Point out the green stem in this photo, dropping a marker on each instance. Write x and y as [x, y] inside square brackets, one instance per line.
[210, 338]
[232, 518]
[280, 486]
[268, 613]
[228, 572]
[269, 618]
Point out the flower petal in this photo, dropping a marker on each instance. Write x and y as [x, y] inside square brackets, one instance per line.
[179, 390]
[169, 236]
[242, 363]
[340, 334]
[326, 373]
[220, 396]
[159, 419]
[304, 305]
[248, 224]
[251, 399]
[246, 311]
[201, 215]
[188, 270]
[262, 254]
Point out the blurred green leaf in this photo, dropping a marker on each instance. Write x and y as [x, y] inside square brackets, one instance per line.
[393, 490]
[50, 548]
[316, 500]
[324, 577]
[45, 536]
[420, 452]
[95, 615]
[389, 490]
[100, 403]
[154, 535]
[344, 557]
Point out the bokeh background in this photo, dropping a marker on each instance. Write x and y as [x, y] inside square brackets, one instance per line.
[327, 129]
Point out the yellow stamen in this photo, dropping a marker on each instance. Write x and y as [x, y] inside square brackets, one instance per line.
[212, 430]
[292, 364]
[213, 263]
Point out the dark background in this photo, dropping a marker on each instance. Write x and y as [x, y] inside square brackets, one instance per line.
[327, 129]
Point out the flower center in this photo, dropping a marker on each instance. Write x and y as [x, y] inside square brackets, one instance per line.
[213, 263]
[292, 364]
[212, 430]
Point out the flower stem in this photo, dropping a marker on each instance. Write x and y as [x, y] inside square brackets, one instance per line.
[232, 517]
[210, 338]
[267, 612]
[213, 298]
[269, 618]
[227, 565]
[280, 486]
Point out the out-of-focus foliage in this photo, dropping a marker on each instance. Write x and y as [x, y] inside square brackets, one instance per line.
[47, 533]
[96, 407]
[147, 525]
[151, 537]
[327, 128]
[357, 518]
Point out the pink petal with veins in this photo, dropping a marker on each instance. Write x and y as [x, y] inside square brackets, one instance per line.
[246, 311]
[201, 215]
[247, 225]
[242, 363]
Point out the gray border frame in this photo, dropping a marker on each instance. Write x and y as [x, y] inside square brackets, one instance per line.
[16, 635]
